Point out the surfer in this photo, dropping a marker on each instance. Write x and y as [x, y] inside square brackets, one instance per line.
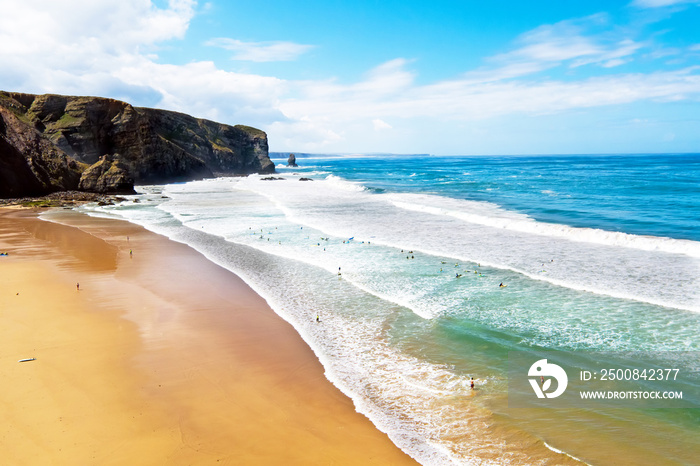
[318, 318]
[502, 285]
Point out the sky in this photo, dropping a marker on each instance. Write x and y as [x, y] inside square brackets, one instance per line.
[443, 77]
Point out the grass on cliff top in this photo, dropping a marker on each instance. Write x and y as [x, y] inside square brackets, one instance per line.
[255, 132]
[67, 120]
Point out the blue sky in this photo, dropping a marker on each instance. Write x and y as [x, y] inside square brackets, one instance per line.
[440, 77]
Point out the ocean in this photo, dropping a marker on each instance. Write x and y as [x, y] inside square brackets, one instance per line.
[402, 258]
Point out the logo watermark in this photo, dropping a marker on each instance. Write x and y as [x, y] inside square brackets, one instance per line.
[621, 380]
[542, 369]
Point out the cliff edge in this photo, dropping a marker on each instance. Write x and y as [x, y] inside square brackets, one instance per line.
[54, 143]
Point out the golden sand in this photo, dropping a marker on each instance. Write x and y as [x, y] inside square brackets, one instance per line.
[161, 357]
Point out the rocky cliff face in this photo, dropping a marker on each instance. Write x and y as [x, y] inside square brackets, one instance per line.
[47, 142]
[107, 175]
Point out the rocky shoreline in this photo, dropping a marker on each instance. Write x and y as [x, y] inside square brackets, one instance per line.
[61, 199]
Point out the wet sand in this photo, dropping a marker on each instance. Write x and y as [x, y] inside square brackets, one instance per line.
[160, 357]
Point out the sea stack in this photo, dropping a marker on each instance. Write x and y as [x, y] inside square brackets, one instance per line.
[292, 161]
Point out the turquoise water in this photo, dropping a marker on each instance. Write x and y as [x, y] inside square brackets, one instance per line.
[402, 258]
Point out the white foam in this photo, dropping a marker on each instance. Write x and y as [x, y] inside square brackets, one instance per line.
[487, 214]
[555, 450]
[607, 263]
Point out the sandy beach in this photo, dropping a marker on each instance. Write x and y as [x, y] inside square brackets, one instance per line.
[158, 357]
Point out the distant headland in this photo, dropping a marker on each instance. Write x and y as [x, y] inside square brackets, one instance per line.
[51, 143]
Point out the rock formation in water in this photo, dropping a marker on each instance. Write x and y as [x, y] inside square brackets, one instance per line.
[53, 143]
[292, 161]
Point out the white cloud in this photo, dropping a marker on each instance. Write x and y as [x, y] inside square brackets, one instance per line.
[88, 47]
[614, 55]
[380, 125]
[201, 89]
[304, 134]
[261, 51]
[467, 100]
[82, 28]
[661, 3]
[565, 43]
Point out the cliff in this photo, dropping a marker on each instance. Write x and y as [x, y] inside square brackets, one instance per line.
[52, 143]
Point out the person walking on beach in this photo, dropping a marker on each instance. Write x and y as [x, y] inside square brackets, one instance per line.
[77, 286]
[471, 383]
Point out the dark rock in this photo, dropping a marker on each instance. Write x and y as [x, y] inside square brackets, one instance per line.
[271, 178]
[305, 179]
[292, 161]
[107, 176]
[29, 164]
